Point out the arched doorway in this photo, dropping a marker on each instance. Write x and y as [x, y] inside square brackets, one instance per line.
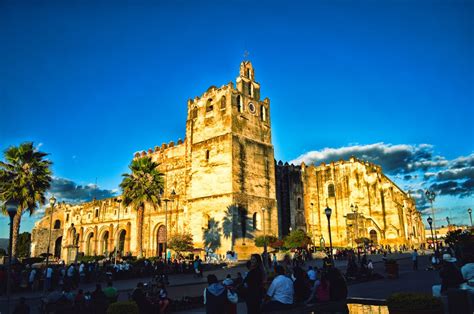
[373, 236]
[121, 242]
[160, 240]
[105, 244]
[57, 247]
[89, 244]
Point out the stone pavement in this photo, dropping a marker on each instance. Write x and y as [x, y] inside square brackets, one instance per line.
[186, 285]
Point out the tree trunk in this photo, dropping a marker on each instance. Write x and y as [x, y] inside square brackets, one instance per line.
[140, 217]
[16, 231]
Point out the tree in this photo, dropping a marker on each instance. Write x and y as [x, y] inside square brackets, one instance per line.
[211, 236]
[230, 224]
[24, 243]
[269, 239]
[143, 185]
[181, 242]
[25, 176]
[297, 239]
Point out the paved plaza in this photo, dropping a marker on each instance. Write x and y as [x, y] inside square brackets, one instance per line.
[186, 285]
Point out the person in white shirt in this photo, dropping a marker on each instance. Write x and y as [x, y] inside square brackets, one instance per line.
[281, 292]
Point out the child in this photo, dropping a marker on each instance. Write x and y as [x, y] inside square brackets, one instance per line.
[164, 301]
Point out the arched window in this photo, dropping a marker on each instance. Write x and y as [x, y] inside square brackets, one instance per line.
[263, 113]
[240, 106]
[331, 192]
[298, 205]
[209, 106]
[96, 213]
[194, 113]
[57, 224]
[223, 100]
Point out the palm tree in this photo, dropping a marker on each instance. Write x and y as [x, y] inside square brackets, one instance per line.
[143, 185]
[25, 176]
[211, 235]
[230, 224]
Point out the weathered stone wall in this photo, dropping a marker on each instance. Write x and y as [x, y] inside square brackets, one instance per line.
[384, 212]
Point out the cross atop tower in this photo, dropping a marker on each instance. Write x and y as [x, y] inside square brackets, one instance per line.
[246, 54]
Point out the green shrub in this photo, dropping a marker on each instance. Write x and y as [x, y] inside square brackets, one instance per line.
[412, 302]
[124, 307]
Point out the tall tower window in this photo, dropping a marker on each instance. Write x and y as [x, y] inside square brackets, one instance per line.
[209, 106]
[240, 105]
[263, 113]
[223, 100]
[298, 203]
[331, 191]
[249, 88]
[248, 72]
[207, 155]
[194, 113]
[96, 213]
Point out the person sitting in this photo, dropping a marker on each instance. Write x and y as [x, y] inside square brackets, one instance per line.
[312, 275]
[320, 291]
[98, 300]
[164, 301]
[337, 285]
[281, 292]
[139, 297]
[215, 296]
[451, 276]
[467, 269]
[301, 285]
[111, 293]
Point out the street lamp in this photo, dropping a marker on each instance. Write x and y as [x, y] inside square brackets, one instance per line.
[265, 258]
[12, 208]
[117, 234]
[355, 210]
[430, 222]
[52, 202]
[328, 212]
[430, 195]
[470, 215]
[166, 200]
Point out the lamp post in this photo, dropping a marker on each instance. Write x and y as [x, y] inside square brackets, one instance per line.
[265, 258]
[117, 241]
[52, 202]
[12, 208]
[328, 212]
[430, 195]
[430, 222]
[354, 210]
[312, 227]
[470, 214]
[166, 200]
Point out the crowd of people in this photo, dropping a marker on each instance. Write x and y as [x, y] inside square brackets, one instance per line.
[281, 288]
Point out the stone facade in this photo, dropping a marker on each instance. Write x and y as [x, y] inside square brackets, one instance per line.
[223, 170]
[226, 160]
[364, 202]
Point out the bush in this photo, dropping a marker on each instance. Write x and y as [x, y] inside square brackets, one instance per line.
[269, 239]
[413, 302]
[124, 307]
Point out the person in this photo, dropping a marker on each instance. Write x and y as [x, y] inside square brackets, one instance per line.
[80, 302]
[467, 270]
[228, 283]
[312, 275]
[370, 268]
[254, 285]
[48, 277]
[22, 307]
[138, 296]
[301, 285]
[414, 258]
[451, 276]
[320, 291]
[110, 292]
[164, 301]
[215, 296]
[337, 285]
[32, 279]
[99, 300]
[198, 267]
[281, 292]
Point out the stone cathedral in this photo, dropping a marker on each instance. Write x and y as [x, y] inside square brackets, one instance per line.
[224, 174]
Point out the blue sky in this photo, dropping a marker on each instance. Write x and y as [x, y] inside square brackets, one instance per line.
[93, 82]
